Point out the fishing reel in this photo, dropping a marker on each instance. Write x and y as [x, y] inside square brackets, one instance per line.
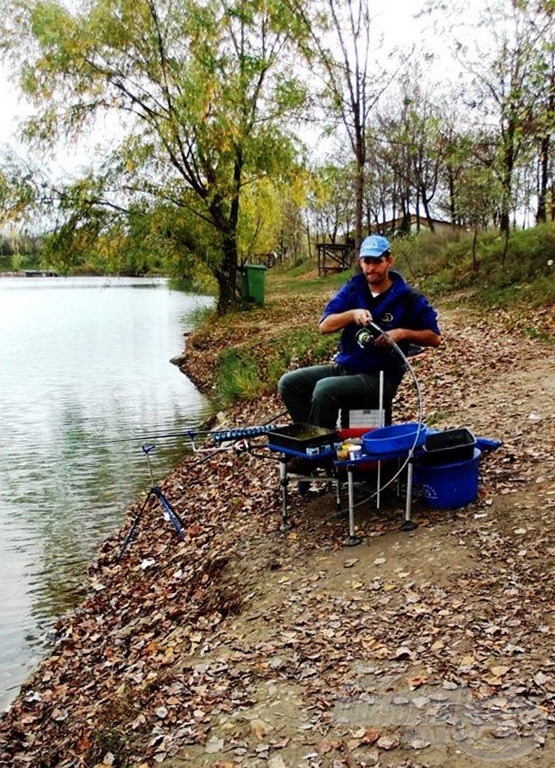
[366, 336]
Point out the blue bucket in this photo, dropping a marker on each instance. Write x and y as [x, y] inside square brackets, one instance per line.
[449, 486]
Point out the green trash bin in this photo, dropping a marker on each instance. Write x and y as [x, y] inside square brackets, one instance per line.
[253, 283]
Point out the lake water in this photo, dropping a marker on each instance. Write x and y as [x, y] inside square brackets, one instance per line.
[85, 382]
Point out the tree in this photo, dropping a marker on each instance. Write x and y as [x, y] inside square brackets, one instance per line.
[341, 59]
[17, 189]
[544, 82]
[292, 241]
[416, 153]
[204, 89]
[506, 87]
[331, 198]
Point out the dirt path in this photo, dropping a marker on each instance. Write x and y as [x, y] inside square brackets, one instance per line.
[246, 647]
[421, 649]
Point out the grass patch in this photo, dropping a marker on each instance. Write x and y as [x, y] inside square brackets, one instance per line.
[295, 348]
[304, 279]
[440, 417]
[444, 265]
[253, 368]
[109, 741]
[238, 377]
[202, 316]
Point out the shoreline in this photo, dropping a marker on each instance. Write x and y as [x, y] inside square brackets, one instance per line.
[239, 643]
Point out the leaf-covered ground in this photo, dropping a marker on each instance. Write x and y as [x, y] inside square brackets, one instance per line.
[242, 646]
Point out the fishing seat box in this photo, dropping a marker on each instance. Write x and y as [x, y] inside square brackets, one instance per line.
[447, 447]
[302, 438]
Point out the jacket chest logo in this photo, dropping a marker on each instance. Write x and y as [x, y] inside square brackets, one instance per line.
[387, 318]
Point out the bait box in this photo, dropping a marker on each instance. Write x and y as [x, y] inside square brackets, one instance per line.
[303, 438]
[447, 447]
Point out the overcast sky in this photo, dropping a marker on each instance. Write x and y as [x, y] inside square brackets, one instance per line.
[393, 18]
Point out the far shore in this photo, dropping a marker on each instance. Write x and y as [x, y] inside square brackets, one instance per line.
[31, 273]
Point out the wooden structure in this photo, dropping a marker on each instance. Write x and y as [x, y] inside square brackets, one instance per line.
[334, 257]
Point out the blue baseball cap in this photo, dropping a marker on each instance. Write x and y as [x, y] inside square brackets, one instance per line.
[374, 246]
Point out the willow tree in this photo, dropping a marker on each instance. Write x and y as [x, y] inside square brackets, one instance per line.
[17, 190]
[206, 88]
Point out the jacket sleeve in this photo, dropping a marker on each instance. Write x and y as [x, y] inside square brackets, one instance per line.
[343, 300]
[423, 317]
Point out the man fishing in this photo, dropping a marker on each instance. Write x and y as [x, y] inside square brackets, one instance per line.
[375, 310]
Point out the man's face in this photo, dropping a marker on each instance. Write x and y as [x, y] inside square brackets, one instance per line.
[376, 269]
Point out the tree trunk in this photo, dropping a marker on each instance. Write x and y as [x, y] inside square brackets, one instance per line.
[426, 205]
[226, 276]
[452, 195]
[541, 214]
[474, 243]
[359, 189]
[507, 181]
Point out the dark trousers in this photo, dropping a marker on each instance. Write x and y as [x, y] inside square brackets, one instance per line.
[316, 394]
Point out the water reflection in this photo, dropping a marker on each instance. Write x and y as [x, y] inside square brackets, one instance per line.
[84, 378]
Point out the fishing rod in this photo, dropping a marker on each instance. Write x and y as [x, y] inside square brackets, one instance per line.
[233, 434]
[238, 435]
[219, 436]
[154, 436]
